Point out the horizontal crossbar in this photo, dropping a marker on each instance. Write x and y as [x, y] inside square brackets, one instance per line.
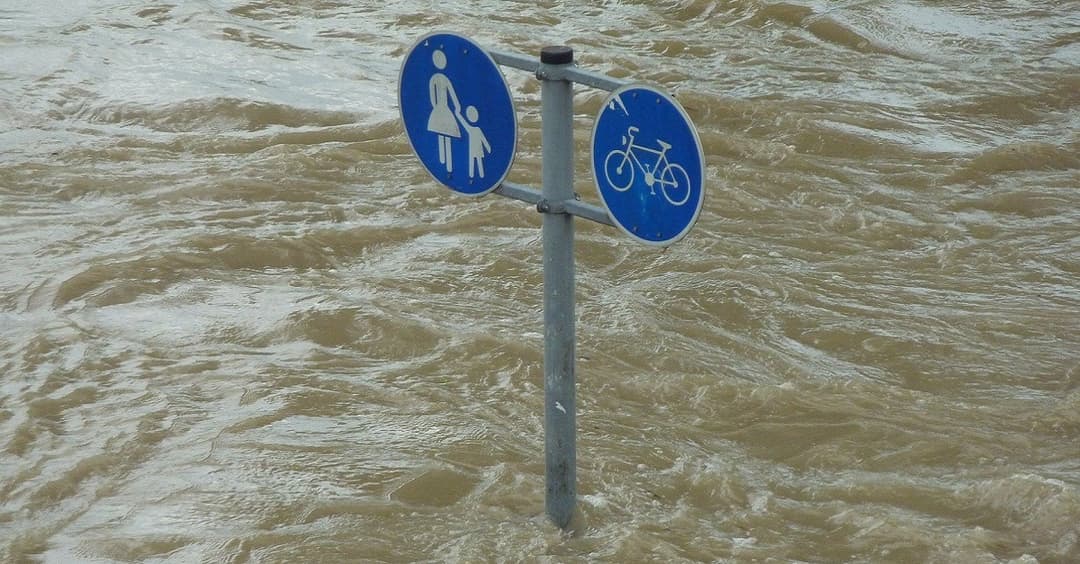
[570, 73]
[572, 207]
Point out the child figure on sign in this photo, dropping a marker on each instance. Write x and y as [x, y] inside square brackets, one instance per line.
[478, 143]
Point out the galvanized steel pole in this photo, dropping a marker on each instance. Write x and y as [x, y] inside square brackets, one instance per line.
[560, 440]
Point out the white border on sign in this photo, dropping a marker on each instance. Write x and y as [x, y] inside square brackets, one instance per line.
[701, 162]
[506, 85]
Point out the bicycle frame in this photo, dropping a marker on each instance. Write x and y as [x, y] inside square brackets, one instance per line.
[661, 159]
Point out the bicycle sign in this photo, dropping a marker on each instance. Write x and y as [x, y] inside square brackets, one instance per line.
[648, 164]
[619, 170]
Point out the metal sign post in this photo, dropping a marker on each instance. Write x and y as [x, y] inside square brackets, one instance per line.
[557, 173]
[454, 101]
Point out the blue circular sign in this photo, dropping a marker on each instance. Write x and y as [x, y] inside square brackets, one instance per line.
[648, 164]
[458, 113]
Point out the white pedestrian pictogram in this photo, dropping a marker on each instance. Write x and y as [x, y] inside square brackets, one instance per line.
[446, 122]
[478, 143]
[443, 121]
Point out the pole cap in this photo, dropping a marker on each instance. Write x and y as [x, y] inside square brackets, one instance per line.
[557, 55]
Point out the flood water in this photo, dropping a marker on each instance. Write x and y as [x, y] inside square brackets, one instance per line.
[240, 323]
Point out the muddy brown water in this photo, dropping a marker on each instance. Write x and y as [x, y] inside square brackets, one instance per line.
[239, 323]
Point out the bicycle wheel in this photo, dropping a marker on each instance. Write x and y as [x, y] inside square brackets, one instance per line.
[619, 170]
[675, 184]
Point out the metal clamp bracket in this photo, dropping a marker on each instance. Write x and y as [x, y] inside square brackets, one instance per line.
[547, 206]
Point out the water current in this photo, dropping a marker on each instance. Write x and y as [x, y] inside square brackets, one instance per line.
[240, 323]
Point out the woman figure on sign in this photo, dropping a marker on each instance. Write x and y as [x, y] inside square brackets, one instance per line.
[443, 121]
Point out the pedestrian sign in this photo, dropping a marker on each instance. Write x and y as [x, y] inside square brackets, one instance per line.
[648, 164]
[458, 113]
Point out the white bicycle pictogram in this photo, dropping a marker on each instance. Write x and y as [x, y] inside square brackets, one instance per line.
[619, 166]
